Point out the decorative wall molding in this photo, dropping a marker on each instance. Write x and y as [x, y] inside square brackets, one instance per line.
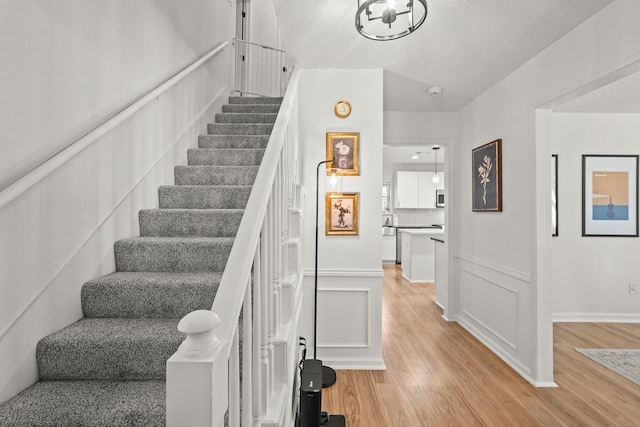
[344, 273]
[493, 282]
[366, 342]
[514, 292]
[506, 332]
[495, 267]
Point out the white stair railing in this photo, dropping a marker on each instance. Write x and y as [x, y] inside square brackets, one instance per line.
[238, 361]
[259, 70]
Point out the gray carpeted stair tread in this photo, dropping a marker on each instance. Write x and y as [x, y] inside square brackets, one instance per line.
[174, 267]
[204, 196]
[189, 222]
[87, 403]
[250, 108]
[144, 294]
[173, 254]
[255, 100]
[239, 129]
[215, 175]
[225, 157]
[245, 117]
[109, 349]
[233, 141]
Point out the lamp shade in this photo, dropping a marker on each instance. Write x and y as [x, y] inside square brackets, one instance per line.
[333, 184]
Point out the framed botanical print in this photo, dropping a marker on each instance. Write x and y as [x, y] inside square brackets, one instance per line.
[486, 170]
[342, 147]
[610, 195]
[341, 214]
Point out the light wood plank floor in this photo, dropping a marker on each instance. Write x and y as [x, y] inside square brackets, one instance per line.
[439, 375]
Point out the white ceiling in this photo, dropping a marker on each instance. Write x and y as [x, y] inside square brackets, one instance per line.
[401, 155]
[621, 96]
[464, 46]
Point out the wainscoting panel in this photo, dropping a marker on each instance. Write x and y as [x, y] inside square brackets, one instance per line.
[495, 305]
[344, 318]
[349, 318]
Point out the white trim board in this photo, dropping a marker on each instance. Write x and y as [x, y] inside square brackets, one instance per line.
[344, 273]
[525, 277]
[597, 317]
[355, 363]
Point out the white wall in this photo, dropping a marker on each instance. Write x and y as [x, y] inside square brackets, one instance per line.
[67, 66]
[263, 23]
[498, 298]
[420, 128]
[350, 269]
[591, 275]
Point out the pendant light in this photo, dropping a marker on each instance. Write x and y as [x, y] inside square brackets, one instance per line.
[436, 177]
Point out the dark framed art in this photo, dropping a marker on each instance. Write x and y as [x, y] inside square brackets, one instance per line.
[486, 172]
[343, 148]
[554, 195]
[341, 214]
[610, 195]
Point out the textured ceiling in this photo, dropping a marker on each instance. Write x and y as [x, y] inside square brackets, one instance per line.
[464, 46]
[621, 96]
[399, 155]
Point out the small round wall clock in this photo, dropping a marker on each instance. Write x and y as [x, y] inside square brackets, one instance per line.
[342, 109]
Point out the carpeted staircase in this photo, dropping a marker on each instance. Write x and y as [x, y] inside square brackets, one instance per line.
[108, 369]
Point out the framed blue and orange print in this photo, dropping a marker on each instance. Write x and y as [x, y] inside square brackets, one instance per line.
[610, 195]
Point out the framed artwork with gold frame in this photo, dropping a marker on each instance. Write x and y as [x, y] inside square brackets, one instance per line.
[341, 214]
[343, 148]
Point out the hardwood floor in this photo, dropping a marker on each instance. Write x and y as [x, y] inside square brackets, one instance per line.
[439, 375]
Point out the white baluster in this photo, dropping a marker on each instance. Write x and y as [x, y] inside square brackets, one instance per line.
[234, 383]
[258, 334]
[247, 357]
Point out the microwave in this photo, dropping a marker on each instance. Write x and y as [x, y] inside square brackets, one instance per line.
[439, 198]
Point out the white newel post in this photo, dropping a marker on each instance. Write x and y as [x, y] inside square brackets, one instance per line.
[197, 375]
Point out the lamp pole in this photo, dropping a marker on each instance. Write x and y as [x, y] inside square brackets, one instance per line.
[328, 374]
[315, 277]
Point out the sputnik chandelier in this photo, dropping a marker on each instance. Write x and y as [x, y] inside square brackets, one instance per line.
[389, 19]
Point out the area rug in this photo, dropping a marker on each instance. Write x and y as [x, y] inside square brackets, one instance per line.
[623, 362]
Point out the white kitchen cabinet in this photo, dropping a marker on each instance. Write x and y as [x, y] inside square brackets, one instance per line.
[415, 189]
[426, 190]
[418, 254]
[405, 194]
[388, 249]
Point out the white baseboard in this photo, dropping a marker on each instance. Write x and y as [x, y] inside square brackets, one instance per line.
[516, 365]
[597, 317]
[354, 364]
